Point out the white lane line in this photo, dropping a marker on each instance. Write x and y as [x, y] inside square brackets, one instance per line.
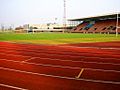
[70, 78]
[65, 60]
[90, 47]
[69, 67]
[12, 87]
[28, 59]
[59, 66]
[83, 57]
[81, 47]
[59, 55]
[72, 61]
[34, 51]
[52, 50]
[56, 54]
[24, 44]
[111, 48]
[15, 54]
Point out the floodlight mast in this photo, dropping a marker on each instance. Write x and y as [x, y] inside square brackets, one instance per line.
[117, 24]
[2, 27]
[64, 17]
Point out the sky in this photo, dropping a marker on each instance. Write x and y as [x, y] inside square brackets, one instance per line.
[19, 12]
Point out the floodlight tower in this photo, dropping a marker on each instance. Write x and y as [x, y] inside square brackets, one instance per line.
[117, 24]
[2, 27]
[64, 17]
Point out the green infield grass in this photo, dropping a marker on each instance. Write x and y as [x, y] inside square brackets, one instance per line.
[57, 38]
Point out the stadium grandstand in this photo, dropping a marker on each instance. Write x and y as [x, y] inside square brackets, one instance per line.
[108, 24]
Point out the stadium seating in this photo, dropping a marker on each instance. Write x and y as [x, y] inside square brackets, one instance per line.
[79, 27]
[101, 26]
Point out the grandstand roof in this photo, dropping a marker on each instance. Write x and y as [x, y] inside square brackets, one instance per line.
[101, 17]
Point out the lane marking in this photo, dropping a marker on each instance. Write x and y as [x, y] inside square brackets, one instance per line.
[28, 59]
[68, 60]
[59, 55]
[53, 76]
[91, 47]
[74, 61]
[41, 52]
[80, 73]
[13, 87]
[66, 46]
[15, 54]
[52, 50]
[24, 44]
[59, 66]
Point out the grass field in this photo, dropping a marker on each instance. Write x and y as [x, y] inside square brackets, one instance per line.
[57, 38]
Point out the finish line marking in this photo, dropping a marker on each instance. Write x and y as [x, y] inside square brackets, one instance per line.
[79, 75]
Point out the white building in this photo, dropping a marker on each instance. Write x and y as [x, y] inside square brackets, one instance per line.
[44, 27]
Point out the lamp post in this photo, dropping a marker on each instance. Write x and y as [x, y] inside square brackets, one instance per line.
[64, 17]
[117, 24]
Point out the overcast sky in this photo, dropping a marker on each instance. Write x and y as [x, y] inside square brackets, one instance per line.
[19, 12]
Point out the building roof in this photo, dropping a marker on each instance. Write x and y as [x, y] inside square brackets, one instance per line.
[100, 17]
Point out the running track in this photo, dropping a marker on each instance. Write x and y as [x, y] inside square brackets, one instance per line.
[94, 66]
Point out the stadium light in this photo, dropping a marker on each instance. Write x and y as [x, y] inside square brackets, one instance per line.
[2, 27]
[64, 17]
[117, 24]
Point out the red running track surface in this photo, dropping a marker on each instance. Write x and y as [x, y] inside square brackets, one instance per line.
[38, 67]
